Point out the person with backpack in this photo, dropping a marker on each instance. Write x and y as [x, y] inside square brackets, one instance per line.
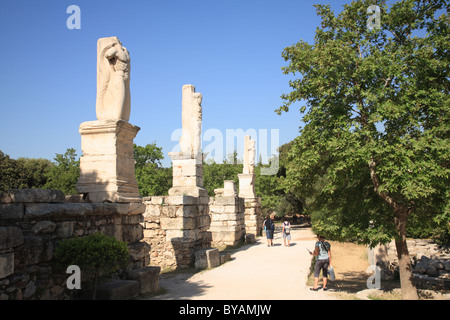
[287, 233]
[269, 228]
[322, 251]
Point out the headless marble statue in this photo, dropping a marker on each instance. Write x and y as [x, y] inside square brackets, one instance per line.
[190, 141]
[249, 155]
[113, 80]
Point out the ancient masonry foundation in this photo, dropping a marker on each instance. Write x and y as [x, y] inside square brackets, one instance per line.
[33, 221]
[176, 227]
[227, 216]
[431, 263]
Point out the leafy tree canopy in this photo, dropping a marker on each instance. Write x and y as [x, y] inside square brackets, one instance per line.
[374, 148]
[65, 173]
[151, 177]
[376, 114]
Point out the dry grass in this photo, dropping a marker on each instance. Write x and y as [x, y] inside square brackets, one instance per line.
[350, 263]
[395, 294]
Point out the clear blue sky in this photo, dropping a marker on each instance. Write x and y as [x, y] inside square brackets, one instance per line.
[229, 49]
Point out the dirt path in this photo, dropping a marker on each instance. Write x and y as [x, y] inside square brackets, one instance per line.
[255, 272]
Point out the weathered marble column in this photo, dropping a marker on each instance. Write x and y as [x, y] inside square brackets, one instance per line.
[247, 177]
[107, 165]
[252, 203]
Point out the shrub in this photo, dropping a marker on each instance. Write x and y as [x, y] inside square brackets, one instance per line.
[95, 253]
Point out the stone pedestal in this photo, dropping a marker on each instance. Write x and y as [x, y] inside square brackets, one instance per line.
[252, 203]
[187, 175]
[227, 220]
[253, 216]
[227, 216]
[247, 185]
[176, 227]
[107, 166]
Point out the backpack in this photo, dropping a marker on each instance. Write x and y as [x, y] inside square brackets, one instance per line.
[287, 229]
[325, 245]
[268, 224]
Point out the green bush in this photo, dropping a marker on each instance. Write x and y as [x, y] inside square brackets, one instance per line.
[95, 253]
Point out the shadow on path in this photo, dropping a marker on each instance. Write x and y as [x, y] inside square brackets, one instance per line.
[242, 277]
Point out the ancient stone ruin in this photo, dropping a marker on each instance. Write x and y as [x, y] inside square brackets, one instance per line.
[107, 164]
[431, 263]
[227, 216]
[188, 164]
[33, 221]
[253, 218]
[171, 231]
[113, 80]
[182, 227]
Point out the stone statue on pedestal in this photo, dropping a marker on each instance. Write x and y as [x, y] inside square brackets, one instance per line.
[188, 163]
[107, 170]
[247, 189]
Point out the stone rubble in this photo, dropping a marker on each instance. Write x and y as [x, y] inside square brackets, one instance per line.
[431, 263]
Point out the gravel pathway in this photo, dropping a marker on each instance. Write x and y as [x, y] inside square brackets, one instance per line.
[255, 272]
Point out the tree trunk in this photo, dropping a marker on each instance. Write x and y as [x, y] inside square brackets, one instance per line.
[94, 292]
[409, 291]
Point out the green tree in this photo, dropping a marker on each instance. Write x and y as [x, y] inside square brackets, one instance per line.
[10, 174]
[23, 172]
[35, 171]
[289, 202]
[148, 154]
[375, 143]
[65, 173]
[152, 178]
[270, 189]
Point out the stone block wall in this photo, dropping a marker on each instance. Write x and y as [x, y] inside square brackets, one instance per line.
[227, 220]
[32, 221]
[253, 216]
[175, 227]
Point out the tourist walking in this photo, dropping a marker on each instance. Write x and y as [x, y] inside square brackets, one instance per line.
[286, 232]
[269, 228]
[322, 252]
